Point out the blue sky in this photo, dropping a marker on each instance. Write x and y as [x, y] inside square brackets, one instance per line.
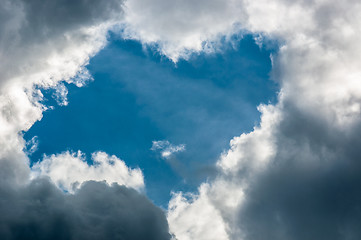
[138, 96]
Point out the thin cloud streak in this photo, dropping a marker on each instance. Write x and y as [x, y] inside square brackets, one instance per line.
[166, 148]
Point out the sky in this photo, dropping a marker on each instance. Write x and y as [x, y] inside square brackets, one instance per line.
[155, 119]
[138, 97]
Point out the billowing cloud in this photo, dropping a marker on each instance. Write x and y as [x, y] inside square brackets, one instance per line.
[69, 170]
[180, 28]
[96, 211]
[296, 174]
[43, 44]
[193, 216]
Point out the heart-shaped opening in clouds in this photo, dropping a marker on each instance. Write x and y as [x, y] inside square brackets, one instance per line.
[174, 81]
[187, 110]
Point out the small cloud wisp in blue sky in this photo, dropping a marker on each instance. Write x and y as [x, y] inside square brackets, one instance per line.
[167, 149]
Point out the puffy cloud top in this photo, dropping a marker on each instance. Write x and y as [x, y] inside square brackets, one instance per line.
[69, 170]
[41, 45]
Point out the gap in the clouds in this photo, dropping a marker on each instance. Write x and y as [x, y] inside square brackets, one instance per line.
[138, 96]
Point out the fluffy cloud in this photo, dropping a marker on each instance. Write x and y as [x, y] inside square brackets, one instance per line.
[96, 211]
[43, 44]
[69, 170]
[297, 173]
[193, 216]
[179, 27]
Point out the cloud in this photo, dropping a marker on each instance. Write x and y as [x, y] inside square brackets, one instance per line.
[43, 44]
[96, 211]
[69, 170]
[180, 28]
[193, 216]
[31, 146]
[166, 148]
[295, 175]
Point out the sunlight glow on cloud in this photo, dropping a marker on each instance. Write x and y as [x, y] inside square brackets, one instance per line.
[181, 28]
[308, 134]
[69, 170]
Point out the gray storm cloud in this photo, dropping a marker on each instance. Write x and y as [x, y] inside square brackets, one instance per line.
[41, 211]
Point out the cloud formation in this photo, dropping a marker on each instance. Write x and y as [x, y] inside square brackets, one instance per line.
[42, 45]
[69, 170]
[96, 211]
[180, 28]
[295, 175]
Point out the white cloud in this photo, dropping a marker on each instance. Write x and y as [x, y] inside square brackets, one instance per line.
[252, 151]
[202, 215]
[31, 146]
[312, 126]
[40, 46]
[166, 148]
[181, 27]
[69, 170]
[200, 210]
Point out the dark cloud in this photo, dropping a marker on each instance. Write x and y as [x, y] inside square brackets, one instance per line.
[41, 44]
[96, 211]
[43, 19]
[311, 189]
[32, 31]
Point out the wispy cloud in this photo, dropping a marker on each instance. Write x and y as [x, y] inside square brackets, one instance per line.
[31, 146]
[167, 149]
